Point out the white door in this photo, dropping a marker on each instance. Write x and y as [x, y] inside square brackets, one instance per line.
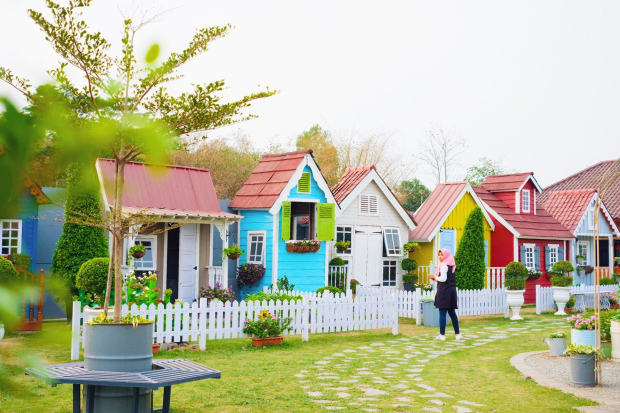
[368, 250]
[188, 263]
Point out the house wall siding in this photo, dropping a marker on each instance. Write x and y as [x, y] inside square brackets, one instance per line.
[28, 213]
[257, 220]
[502, 245]
[530, 285]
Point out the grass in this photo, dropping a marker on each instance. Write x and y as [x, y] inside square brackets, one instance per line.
[262, 379]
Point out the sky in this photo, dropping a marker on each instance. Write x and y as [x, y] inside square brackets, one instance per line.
[534, 84]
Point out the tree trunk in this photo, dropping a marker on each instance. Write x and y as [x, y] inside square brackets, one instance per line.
[108, 288]
[119, 181]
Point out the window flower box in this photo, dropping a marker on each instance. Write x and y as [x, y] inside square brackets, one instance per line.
[303, 246]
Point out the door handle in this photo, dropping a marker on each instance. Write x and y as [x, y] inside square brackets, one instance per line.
[195, 267]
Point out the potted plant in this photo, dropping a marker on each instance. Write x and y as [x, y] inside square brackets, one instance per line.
[167, 295]
[561, 284]
[410, 247]
[409, 281]
[607, 281]
[614, 332]
[580, 259]
[409, 264]
[266, 330]
[613, 301]
[233, 252]
[605, 318]
[581, 270]
[556, 343]
[516, 274]
[152, 280]
[569, 307]
[582, 329]
[137, 251]
[217, 293]
[582, 364]
[353, 283]
[342, 246]
[303, 246]
[249, 274]
[534, 274]
[588, 269]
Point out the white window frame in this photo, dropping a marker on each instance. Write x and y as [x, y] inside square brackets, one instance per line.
[262, 258]
[587, 251]
[525, 207]
[590, 219]
[390, 264]
[531, 247]
[553, 249]
[349, 252]
[397, 251]
[136, 262]
[19, 235]
[369, 198]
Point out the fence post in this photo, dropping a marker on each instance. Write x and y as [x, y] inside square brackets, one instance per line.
[202, 324]
[505, 300]
[394, 314]
[418, 306]
[304, 319]
[538, 299]
[75, 330]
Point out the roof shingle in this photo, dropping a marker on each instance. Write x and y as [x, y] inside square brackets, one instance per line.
[432, 211]
[350, 180]
[568, 207]
[508, 182]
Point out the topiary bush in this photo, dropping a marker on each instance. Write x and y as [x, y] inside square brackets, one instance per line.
[333, 290]
[410, 278]
[516, 275]
[249, 274]
[470, 255]
[92, 277]
[337, 261]
[8, 273]
[21, 261]
[562, 267]
[561, 281]
[409, 264]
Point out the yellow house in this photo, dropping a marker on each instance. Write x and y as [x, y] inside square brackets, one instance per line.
[441, 220]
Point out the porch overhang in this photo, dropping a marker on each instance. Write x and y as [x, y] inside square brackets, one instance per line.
[184, 216]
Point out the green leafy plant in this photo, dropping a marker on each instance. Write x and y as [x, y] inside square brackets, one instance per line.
[267, 324]
[330, 289]
[353, 283]
[607, 281]
[21, 261]
[337, 261]
[409, 264]
[137, 249]
[534, 274]
[582, 349]
[562, 267]
[424, 287]
[516, 274]
[93, 276]
[8, 273]
[616, 316]
[167, 292]
[583, 257]
[470, 255]
[570, 303]
[411, 247]
[249, 274]
[561, 281]
[272, 296]
[234, 250]
[126, 319]
[342, 245]
[606, 317]
[410, 278]
[284, 284]
[557, 335]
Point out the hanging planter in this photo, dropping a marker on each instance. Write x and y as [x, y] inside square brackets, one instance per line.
[233, 252]
[534, 274]
[342, 246]
[137, 251]
[303, 246]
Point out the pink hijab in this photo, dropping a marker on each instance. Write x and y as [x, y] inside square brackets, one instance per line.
[448, 259]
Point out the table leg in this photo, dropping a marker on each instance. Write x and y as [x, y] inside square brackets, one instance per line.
[136, 399]
[166, 407]
[90, 395]
[76, 398]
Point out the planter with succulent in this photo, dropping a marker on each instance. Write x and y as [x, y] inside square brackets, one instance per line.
[561, 284]
[516, 275]
[267, 329]
[137, 251]
[233, 252]
[409, 281]
[581, 270]
[580, 259]
[303, 246]
[534, 274]
[342, 246]
[582, 364]
[249, 274]
[410, 247]
[556, 343]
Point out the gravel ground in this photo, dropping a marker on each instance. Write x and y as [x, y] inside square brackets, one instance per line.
[557, 368]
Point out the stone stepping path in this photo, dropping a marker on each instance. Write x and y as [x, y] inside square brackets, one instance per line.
[388, 376]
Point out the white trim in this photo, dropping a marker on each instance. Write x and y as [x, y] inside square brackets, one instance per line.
[587, 244]
[374, 176]
[275, 248]
[310, 201]
[263, 255]
[555, 247]
[225, 262]
[610, 220]
[500, 219]
[197, 270]
[387, 251]
[516, 249]
[534, 202]
[164, 271]
[530, 177]
[518, 202]
[318, 178]
[20, 234]
[533, 247]
[153, 239]
[211, 226]
[529, 200]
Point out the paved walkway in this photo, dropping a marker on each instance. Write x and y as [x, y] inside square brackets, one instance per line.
[370, 378]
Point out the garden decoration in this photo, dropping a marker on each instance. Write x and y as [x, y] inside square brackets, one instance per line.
[588, 269]
[516, 275]
[233, 252]
[411, 247]
[613, 300]
[303, 246]
[581, 270]
[409, 281]
[534, 274]
[582, 364]
[342, 246]
[561, 284]
[556, 343]
[137, 251]
[267, 329]
[580, 258]
[249, 274]
[582, 329]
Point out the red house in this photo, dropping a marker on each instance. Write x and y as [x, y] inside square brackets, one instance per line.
[523, 232]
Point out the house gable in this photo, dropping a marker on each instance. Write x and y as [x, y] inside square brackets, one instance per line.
[607, 226]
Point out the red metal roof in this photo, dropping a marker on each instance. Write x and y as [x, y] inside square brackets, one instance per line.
[542, 224]
[568, 207]
[589, 178]
[509, 182]
[350, 180]
[435, 208]
[268, 180]
[171, 188]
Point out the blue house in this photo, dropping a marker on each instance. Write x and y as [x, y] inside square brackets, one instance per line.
[286, 199]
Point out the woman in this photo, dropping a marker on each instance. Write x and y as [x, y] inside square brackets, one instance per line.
[445, 299]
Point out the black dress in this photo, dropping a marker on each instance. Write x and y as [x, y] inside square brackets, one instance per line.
[446, 292]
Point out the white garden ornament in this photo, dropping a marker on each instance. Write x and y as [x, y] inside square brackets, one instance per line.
[561, 295]
[515, 301]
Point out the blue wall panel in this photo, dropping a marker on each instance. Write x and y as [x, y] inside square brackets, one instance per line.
[255, 220]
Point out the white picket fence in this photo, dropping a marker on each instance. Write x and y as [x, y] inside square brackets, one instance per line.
[470, 302]
[311, 315]
[544, 295]
[495, 278]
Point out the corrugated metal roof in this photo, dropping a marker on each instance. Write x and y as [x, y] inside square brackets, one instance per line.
[350, 180]
[268, 180]
[541, 224]
[172, 188]
[508, 182]
[568, 207]
[435, 208]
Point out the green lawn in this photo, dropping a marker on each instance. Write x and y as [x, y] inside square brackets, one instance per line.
[264, 379]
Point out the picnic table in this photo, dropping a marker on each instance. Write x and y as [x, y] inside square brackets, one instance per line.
[583, 299]
[165, 373]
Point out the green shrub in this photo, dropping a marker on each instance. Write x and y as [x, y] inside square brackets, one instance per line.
[563, 267]
[557, 335]
[515, 284]
[410, 278]
[570, 303]
[275, 296]
[607, 281]
[409, 264]
[515, 269]
[470, 255]
[8, 273]
[561, 281]
[93, 276]
[606, 317]
[337, 261]
[21, 261]
[330, 289]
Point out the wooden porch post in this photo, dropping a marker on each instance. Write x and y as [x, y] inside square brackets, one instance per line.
[225, 259]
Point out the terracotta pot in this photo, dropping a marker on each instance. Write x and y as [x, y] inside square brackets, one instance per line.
[269, 341]
[156, 347]
[568, 310]
[233, 256]
[138, 254]
[342, 249]
[614, 306]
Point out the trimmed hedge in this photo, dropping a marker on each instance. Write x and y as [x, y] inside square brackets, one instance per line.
[469, 258]
[337, 261]
[93, 276]
[333, 290]
[8, 273]
[409, 264]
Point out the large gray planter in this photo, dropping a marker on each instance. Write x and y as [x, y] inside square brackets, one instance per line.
[118, 347]
[430, 313]
[582, 372]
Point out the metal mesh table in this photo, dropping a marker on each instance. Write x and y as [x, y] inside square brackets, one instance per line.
[165, 373]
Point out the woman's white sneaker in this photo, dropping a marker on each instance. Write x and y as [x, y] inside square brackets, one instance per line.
[459, 337]
[440, 337]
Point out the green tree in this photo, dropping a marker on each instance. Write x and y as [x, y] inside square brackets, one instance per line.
[130, 108]
[325, 152]
[476, 174]
[412, 194]
[470, 254]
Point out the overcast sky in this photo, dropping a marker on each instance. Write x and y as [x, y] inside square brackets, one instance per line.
[535, 83]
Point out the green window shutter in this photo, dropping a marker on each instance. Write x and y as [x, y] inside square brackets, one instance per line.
[303, 185]
[286, 220]
[326, 214]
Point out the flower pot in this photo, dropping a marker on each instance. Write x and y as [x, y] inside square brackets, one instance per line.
[342, 249]
[515, 300]
[568, 310]
[579, 261]
[138, 254]
[96, 312]
[430, 313]
[532, 277]
[615, 339]
[606, 348]
[556, 346]
[583, 337]
[156, 347]
[214, 302]
[302, 248]
[561, 295]
[1, 331]
[409, 286]
[614, 306]
[269, 341]
[581, 372]
[233, 256]
[581, 273]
